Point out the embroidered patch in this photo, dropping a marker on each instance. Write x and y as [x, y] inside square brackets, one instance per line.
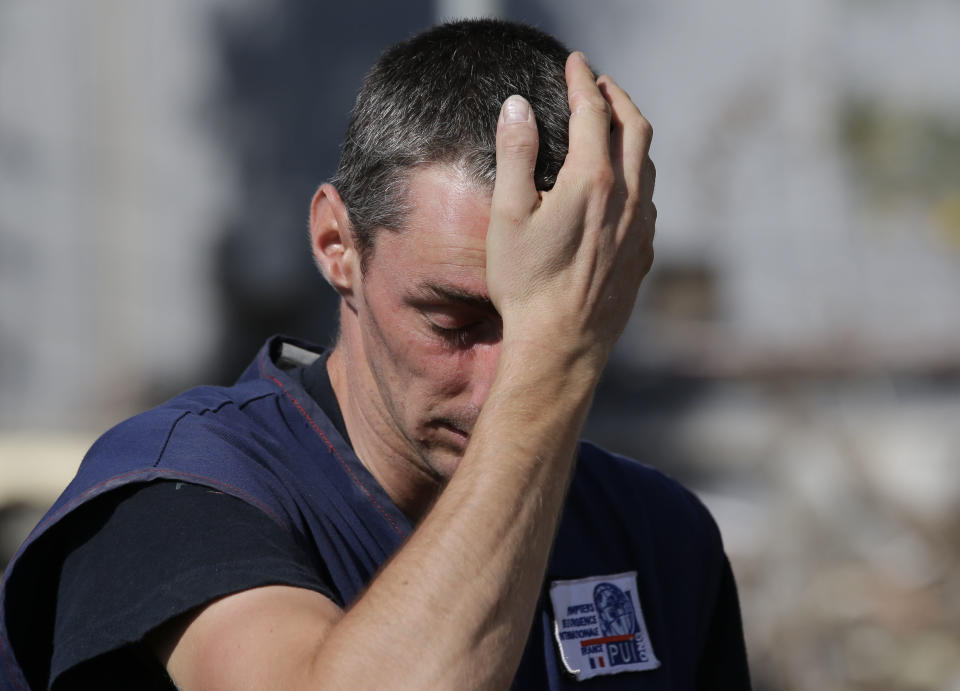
[599, 626]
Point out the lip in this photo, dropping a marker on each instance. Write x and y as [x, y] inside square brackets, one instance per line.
[460, 434]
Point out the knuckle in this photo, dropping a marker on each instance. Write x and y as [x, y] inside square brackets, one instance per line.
[589, 177]
[582, 101]
[517, 142]
[600, 177]
[646, 129]
[508, 211]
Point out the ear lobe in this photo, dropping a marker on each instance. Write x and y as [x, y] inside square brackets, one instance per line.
[331, 240]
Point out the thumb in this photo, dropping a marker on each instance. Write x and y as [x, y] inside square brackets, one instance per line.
[514, 192]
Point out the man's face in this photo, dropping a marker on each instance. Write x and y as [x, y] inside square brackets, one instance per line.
[430, 335]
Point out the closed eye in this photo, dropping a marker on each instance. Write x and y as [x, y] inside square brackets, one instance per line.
[459, 336]
[458, 317]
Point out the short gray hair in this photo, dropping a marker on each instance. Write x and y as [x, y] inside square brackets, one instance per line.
[436, 98]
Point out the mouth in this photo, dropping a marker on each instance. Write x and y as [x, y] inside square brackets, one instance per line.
[454, 433]
[455, 430]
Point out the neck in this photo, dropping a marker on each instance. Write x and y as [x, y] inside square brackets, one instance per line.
[381, 449]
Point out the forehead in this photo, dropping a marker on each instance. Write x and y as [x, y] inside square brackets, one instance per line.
[444, 237]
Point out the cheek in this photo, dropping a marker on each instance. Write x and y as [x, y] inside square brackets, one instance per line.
[430, 367]
[447, 373]
[427, 374]
[415, 366]
[409, 357]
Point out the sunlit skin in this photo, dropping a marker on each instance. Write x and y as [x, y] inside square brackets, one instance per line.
[420, 339]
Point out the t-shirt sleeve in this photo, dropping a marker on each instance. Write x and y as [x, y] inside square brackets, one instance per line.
[139, 556]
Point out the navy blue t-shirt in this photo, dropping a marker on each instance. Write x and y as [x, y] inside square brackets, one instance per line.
[139, 556]
[171, 547]
[144, 554]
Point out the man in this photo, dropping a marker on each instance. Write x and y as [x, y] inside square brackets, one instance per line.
[411, 509]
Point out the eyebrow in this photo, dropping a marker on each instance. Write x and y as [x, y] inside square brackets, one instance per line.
[454, 294]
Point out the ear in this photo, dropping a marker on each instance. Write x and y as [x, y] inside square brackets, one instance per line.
[331, 239]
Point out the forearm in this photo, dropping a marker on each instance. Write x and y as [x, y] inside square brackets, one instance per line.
[465, 585]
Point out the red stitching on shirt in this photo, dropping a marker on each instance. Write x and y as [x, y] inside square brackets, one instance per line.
[316, 428]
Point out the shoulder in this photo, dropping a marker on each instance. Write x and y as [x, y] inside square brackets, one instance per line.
[264, 414]
[208, 403]
[203, 420]
[642, 493]
[192, 437]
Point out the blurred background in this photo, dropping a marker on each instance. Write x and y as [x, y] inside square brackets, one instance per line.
[795, 352]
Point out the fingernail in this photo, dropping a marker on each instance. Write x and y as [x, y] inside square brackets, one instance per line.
[516, 109]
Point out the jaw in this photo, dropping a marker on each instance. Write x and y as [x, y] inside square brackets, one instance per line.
[397, 463]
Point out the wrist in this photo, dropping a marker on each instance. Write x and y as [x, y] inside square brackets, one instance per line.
[552, 350]
[545, 372]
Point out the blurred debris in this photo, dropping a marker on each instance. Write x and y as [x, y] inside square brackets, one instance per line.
[34, 469]
[841, 514]
[17, 519]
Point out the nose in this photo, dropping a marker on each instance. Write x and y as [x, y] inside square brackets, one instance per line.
[485, 357]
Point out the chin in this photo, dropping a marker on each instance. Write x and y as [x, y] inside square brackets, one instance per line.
[443, 461]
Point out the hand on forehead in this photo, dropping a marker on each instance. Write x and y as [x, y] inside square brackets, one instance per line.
[581, 248]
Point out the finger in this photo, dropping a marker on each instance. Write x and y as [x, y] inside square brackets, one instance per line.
[589, 113]
[514, 191]
[616, 135]
[649, 175]
[631, 133]
[623, 111]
